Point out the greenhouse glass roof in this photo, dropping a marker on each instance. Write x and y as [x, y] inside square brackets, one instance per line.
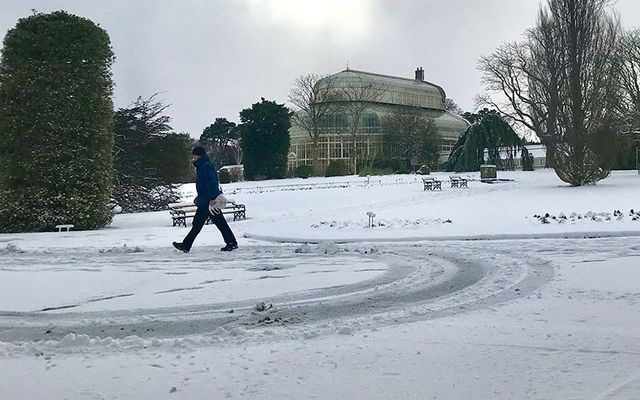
[397, 90]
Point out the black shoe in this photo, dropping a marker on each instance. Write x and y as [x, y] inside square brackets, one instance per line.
[229, 247]
[180, 247]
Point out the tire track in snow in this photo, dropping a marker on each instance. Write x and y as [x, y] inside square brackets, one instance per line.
[423, 281]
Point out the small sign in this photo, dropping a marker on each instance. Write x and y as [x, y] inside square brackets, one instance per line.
[371, 214]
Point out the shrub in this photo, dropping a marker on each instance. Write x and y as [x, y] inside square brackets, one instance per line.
[224, 176]
[375, 171]
[236, 175]
[336, 168]
[303, 171]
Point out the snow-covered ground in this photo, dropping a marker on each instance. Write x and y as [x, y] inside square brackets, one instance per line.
[460, 293]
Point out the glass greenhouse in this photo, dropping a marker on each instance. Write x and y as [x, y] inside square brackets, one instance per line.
[371, 140]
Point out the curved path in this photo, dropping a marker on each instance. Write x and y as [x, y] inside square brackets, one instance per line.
[421, 281]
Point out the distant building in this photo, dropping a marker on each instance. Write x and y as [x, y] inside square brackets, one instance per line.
[539, 154]
[371, 141]
[512, 160]
[236, 172]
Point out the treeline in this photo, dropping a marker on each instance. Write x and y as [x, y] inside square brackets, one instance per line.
[260, 142]
[151, 160]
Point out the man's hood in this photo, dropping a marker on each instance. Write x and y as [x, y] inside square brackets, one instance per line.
[197, 163]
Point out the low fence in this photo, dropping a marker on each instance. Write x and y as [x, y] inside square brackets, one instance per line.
[359, 183]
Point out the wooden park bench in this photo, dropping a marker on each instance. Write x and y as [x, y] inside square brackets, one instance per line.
[431, 183]
[180, 212]
[458, 181]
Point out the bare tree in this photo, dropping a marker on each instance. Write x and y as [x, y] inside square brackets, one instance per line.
[562, 83]
[353, 100]
[313, 95]
[505, 78]
[523, 82]
[629, 105]
[630, 81]
[587, 37]
[450, 105]
[417, 134]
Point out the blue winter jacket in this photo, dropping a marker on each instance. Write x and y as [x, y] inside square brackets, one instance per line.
[207, 184]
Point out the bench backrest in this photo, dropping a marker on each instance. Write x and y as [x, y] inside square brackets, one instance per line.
[178, 206]
[190, 207]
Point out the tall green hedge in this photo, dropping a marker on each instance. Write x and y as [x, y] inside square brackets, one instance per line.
[56, 124]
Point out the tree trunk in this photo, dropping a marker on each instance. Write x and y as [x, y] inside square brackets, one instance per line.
[550, 158]
[354, 156]
[315, 162]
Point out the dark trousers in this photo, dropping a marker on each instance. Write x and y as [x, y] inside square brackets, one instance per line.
[202, 213]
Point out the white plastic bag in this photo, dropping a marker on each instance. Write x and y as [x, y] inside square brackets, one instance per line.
[218, 204]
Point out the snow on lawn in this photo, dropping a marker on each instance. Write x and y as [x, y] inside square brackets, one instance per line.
[405, 311]
[404, 210]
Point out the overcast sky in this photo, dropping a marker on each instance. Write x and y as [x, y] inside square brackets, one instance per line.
[214, 58]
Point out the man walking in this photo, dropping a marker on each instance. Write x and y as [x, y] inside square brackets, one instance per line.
[208, 189]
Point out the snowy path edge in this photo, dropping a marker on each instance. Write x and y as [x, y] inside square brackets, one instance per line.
[488, 237]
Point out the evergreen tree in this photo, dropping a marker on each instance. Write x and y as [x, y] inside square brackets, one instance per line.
[56, 124]
[221, 141]
[170, 156]
[149, 158]
[265, 140]
[488, 132]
